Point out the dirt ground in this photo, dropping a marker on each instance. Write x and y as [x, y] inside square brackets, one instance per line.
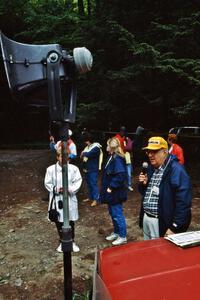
[30, 267]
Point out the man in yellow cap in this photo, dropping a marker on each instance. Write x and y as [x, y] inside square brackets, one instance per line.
[166, 191]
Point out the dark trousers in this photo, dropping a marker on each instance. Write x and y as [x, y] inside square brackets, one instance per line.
[59, 228]
[92, 183]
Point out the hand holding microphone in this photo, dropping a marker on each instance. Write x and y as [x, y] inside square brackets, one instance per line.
[144, 168]
[143, 175]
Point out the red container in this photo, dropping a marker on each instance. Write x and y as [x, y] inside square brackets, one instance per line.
[148, 270]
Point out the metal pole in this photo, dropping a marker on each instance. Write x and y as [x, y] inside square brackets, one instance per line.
[66, 229]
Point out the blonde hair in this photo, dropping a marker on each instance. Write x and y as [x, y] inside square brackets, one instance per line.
[114, 145]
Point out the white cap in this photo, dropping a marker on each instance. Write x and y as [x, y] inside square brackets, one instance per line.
[69, 132]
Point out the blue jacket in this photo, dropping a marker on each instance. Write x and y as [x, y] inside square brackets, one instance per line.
[92, 164]
[115, 178]
[175, 198]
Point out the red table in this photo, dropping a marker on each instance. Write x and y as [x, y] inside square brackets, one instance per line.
[153, 270]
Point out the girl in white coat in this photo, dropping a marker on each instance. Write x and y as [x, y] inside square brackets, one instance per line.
[53, 183]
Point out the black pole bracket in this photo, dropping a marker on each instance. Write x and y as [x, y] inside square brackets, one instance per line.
[66, 239]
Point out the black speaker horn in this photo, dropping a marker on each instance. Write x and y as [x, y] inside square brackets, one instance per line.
[30, 69]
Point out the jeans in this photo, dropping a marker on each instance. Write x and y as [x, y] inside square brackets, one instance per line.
[118, 219]
[129, 173]
[92, 183]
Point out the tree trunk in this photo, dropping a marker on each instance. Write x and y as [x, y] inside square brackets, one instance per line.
[89, 7]
[97, 7]
[81, 7]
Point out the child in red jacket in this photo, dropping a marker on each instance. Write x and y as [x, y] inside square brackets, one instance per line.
[175, 149]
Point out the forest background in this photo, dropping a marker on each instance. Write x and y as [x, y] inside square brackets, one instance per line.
[146, 62]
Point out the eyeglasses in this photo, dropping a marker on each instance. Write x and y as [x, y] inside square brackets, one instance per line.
[152, 151]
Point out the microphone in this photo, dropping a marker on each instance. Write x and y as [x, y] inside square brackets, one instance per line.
[144, 167]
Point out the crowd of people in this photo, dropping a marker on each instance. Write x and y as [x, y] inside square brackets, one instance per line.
[164, 184]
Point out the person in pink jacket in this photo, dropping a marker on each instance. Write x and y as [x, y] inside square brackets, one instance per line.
[175, 149]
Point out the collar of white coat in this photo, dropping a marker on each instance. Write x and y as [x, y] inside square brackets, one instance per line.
[59, 167]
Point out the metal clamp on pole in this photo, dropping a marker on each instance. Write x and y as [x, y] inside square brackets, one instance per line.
[54, 90]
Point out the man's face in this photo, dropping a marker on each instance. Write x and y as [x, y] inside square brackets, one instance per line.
[156, 157]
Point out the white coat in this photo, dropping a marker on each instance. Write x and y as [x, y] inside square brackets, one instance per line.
[53, 178]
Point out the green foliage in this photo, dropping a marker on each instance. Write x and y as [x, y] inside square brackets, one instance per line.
[11, 16]
[53, 19]
[95, 114]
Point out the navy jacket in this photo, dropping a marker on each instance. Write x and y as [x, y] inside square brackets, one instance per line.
[92, 164]
[175, 198]
[115, 178]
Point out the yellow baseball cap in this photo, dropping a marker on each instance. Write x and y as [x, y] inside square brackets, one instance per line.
[156, 143]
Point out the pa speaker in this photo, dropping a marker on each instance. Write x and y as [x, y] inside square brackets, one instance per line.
[44, 75]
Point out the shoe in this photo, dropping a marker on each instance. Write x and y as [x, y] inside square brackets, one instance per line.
[119, 241]
[75, 247]
[130, 188]
[59, 249]
[86, 200]
[94, 203]
[112, 236]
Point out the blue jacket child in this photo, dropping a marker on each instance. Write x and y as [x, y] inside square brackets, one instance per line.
[92, 159]
[115, 178]
[114, 192]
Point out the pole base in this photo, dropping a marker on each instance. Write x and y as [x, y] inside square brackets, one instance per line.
[66, 240]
